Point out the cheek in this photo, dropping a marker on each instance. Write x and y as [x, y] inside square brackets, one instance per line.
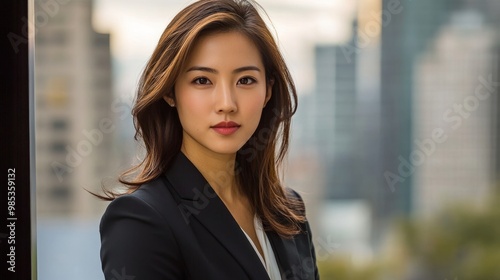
[191, 107]
[253, 109]
[193, 103]
[255, 102]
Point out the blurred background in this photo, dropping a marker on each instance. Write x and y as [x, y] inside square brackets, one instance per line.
[395, 144]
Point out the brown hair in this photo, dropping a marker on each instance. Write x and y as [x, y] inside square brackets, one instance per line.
[258, 161]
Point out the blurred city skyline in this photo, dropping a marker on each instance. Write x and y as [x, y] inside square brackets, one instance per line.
[398, 112]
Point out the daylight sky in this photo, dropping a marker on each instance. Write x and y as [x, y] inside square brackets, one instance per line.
[136, 26]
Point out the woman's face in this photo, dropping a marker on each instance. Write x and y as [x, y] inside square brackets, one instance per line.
[220, 94]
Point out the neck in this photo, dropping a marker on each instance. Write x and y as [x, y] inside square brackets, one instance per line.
[218, 170]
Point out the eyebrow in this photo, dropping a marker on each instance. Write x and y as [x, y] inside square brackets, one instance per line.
[211, 70]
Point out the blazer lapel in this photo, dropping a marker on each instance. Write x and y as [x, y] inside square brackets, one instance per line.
[199, 201]
[286, 254]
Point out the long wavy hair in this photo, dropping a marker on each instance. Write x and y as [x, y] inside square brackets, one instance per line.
[157, 124]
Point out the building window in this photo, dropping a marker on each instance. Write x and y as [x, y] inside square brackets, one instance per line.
[58, 147]
[101, 41]
[60, 193]
[59, 125]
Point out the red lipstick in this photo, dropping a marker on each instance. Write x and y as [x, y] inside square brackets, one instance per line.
[226, 128]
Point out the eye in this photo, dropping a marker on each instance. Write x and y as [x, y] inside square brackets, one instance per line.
[202, 81]
[246, 81]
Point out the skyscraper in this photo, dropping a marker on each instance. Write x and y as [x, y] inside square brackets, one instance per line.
[336, 119]
[455, 107]
[404, 38]
[73, 96]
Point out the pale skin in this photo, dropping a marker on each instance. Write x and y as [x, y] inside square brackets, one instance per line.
[224, 80]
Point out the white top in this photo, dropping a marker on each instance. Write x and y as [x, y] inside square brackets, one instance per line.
[269, 261]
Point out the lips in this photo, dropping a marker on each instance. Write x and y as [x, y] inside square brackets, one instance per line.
[226, 124]
[226, 128]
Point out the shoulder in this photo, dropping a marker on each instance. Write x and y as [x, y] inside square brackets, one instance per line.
[296, 199]
[149, 194]
[148, 203]
[134, 225]
[291, 193]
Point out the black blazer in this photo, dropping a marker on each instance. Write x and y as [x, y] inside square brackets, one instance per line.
[176, 227]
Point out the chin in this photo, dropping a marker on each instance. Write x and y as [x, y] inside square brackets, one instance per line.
[226, 148]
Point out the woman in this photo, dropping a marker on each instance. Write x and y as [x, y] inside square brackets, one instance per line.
[213, 109]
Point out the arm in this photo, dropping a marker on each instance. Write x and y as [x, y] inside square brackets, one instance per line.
[137, 243]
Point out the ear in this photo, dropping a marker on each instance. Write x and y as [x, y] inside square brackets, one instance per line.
[170, 101]
[269, 91]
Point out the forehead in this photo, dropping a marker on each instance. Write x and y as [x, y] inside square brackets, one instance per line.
[224, 49]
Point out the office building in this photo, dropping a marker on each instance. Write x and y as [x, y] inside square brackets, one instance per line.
[73, 114]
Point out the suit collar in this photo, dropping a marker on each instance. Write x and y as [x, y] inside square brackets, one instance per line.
[286, 254]
[198, 201]
[186, 180]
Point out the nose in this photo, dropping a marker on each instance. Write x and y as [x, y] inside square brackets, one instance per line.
[225, 101]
